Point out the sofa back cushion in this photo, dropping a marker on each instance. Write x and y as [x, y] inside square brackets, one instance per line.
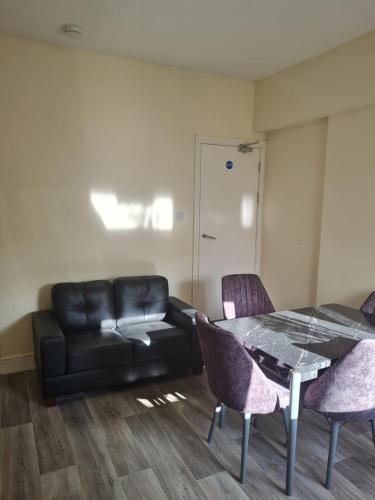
[84, 306]
[139, 299]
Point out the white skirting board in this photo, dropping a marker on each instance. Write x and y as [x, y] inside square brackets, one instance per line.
[17, 363]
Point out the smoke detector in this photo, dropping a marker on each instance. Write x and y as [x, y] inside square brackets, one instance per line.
[72, 31]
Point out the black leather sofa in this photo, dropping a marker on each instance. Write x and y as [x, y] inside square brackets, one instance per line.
[83, 342]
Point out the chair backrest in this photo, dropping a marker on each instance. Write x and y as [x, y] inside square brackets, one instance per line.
[349, 385]
[233, 376]
[368, 307]
[244, 295]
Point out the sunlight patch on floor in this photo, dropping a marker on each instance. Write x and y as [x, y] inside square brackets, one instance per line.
[159, 401]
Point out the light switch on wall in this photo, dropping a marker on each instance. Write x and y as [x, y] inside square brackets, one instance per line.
[180, 215]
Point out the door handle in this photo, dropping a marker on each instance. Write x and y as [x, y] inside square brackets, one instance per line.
[204, 235]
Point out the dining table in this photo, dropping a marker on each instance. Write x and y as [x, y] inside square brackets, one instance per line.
[304, 342]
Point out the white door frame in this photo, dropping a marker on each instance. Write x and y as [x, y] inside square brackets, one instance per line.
[219, 141]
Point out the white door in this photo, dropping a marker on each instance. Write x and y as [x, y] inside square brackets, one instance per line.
[229, 183]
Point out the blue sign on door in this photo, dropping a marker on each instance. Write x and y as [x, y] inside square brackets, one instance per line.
[229, 165]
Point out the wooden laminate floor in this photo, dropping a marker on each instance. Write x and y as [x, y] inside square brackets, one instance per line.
[148, 441]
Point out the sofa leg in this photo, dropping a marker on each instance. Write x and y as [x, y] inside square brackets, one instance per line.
[50, 402]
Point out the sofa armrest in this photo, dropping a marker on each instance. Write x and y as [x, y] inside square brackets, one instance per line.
[181, 314]
[49, 345]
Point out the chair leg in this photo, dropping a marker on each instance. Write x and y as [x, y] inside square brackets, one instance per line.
[373, 430]
[245, 444]
[335, 427]
[213, 422]
[285, 414]
[222, 416]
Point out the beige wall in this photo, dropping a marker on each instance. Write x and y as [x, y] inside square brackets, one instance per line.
[74, 123]
[339, 85]
[340, 80]
[292, 214]
[347, 254]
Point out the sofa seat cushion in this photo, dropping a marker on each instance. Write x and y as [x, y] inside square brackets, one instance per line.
[165, 340]
[93, 349]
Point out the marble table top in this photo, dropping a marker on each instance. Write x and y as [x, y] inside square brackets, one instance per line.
[306, 340]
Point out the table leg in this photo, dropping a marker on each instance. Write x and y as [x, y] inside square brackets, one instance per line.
[295, 384]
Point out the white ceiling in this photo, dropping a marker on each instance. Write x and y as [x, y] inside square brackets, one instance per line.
[240, 38]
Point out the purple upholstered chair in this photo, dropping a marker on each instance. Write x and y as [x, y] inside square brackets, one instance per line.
[345, 392]
[237, 381]
[368, 307]
[244, 295]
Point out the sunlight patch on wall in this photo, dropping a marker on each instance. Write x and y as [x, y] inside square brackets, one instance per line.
[126, 216]
[247, 211]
